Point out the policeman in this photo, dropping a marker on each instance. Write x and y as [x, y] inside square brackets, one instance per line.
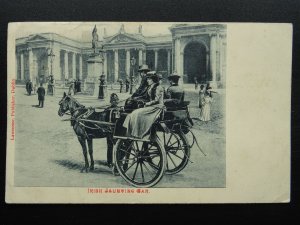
[174, 94]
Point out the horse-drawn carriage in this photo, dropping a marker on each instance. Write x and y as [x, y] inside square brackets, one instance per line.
[141, 162]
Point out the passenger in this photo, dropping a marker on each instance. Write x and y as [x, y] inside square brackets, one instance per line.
[141, 91]
[175, 94]
[140, 121]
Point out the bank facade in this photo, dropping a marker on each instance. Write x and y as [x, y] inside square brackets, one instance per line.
[192, 50]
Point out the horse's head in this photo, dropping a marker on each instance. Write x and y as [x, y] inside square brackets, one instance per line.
[64, 104]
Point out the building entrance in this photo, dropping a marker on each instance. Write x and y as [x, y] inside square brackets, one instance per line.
[195, 63]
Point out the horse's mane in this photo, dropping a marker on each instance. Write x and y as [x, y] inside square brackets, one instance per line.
[76, 101]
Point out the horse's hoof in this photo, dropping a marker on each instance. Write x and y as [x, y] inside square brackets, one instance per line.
[115, 171]
[92, 168]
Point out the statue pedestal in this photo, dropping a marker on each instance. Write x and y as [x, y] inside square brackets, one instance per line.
[95, 69]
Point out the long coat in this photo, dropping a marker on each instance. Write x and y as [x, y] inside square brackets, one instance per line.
[41, 93]
[140, 121]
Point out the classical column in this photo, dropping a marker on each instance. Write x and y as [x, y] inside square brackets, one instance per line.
[207, 64]
[30, 64]
[105, 64]
[80, 66]
[140, 57]
[116, 61]
[155, 59]
[22, 65]
[127, 62]
[73, 65]
[177, 55]
[144, 57]
[56, 64]
[66, 65]
[213, 57]
[169, 61]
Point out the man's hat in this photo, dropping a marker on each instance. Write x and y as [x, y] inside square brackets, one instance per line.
[144, 68]
[173, 75]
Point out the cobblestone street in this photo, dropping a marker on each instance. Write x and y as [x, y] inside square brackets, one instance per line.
[48, 153]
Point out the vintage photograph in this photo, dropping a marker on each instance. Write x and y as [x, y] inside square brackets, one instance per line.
[119, 105]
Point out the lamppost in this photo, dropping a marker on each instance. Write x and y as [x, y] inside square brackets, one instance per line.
[132, 62]
[51, 55]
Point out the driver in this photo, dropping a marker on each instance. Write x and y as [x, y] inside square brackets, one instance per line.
[174, 94]
[141, 92]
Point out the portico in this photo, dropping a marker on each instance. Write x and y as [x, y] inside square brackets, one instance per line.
[191, 50]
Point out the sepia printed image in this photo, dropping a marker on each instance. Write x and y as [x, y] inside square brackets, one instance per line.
[119, 105]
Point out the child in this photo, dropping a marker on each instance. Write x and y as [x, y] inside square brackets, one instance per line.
[206, 103]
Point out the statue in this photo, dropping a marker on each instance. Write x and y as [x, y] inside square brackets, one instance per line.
[122, 29]
[95, 39]
[140, 29]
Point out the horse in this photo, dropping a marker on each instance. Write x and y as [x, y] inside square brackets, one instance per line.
[84, 122]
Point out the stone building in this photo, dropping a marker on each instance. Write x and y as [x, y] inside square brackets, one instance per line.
[192, 50]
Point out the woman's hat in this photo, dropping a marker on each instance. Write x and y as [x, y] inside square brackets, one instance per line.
[151, 74]
[173, 75]
[144, 68]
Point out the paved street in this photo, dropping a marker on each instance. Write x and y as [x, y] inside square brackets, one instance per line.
[48, 153]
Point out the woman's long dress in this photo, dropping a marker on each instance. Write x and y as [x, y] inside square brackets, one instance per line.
[205, 110]
[140, 121]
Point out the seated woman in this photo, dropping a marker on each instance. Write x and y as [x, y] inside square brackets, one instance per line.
[174, 95]
[139, 122]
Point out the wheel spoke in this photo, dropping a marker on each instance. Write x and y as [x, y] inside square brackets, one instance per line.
[173, 161]
[152, 164]
[142, 172]
[176, 155]
[127, 152]
[130, 166]
[150, 173]
[137, 165]
[122, 160]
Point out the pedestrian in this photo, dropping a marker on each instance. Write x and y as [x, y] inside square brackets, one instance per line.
[201, 95]
[29, 88]
[41, 95]
[196, 83]
[121, 85]
[206, 106]
[127, 83]
[71, 88]
[79, 85]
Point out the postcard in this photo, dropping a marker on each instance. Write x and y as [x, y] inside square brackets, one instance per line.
[148, 112]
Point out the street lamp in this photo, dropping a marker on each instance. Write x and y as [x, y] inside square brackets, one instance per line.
[51, 55]
[50, 87]
[132, 62]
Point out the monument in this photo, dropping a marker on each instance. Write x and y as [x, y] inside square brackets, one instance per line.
[95, 67]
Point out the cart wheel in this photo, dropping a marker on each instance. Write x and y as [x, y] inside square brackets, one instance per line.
[190, 138]
[141, 164]
[177, 150]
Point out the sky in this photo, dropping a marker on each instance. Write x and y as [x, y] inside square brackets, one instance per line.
[82, 31]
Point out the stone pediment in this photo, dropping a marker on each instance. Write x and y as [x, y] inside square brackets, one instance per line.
[122, 38]
[37, 38]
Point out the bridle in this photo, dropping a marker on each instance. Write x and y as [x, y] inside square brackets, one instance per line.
[70, 111]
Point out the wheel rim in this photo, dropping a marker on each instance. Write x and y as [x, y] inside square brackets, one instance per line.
[177, 151]
[140, 163]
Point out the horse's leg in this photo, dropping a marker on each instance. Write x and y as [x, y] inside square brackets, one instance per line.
[84, 151]
[110, 146]
[90, 144]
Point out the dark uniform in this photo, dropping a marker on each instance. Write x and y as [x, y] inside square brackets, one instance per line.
[174, 95]
[41, 96]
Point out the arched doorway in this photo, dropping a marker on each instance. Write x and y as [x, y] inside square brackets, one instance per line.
[195, 62]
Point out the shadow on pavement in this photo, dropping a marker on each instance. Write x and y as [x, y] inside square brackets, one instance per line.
[75, 166]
